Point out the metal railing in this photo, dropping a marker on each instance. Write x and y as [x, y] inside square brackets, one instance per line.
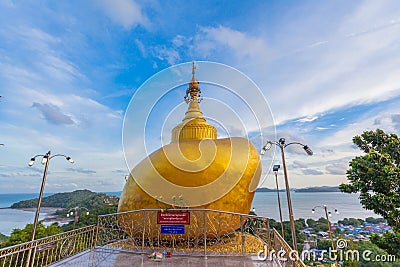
[207, 233]
[285, 255]
[210, 233]
[50, 249]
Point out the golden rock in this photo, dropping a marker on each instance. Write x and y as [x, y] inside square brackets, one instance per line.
[196, 170]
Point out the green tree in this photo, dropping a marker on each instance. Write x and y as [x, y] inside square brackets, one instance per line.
[86, 220]
[62, 200]
[337, 232]
[368, 260]
[374, 220]
[3, 237]
[299, 224]
[311, 222]
[351, 221]
[324, 244]
[388, 241]
[19, 236]
[376, 176]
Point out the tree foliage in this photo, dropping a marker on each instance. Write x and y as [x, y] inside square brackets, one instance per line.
[388, 241]
[320, 225]
[96, 203]
[3, 237]
[374, 220]
[351, 221]
[59, 200]
[19, 236]
[376, 176]
[298, 224]
[370, 259]
[91, 218]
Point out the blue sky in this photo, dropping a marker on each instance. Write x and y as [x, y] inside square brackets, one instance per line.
[68, 69]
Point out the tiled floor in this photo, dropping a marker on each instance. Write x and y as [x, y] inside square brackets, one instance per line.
[105, 258]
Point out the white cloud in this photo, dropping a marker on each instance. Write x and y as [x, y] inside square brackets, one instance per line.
[299, 164]
[350, 62]
[59, 68]
[244, 46]
[312, 172]
[35, 57]
[321, 128]
[35, 37]
[306, 70]
[47, 106]
[308, 119]
[211, 41]
[126, 92]
[383, 117]
[179, 40]
[127, 13]
[171, 55]
[141, 47]
[353, 64]
[336, 169]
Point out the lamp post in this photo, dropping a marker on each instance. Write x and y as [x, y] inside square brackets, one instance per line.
[45, 161]
[275, 169]
[282, 145]
[75, 211]
[327, 215]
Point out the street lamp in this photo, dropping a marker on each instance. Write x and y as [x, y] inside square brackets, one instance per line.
[327, 215]
[75, 211]
[45, 161]
[282, 145]
[275, 169]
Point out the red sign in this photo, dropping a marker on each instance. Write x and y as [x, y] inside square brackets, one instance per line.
[173, 217]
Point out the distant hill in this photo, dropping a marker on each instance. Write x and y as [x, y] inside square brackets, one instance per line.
[265, 189]
[84, 198]
[318, 189]
[303, 190]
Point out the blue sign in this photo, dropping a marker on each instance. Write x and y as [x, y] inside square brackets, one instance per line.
[172, 229]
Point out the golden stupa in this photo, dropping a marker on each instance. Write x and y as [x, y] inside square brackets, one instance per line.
[196, 170]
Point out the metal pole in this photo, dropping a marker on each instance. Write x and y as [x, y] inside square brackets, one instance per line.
[279, 203]
[292, 227]
[35, 222]
[76, 216]
[144, 229]
[205, 233]
[242, 235]
[330, 231]
[329, 226]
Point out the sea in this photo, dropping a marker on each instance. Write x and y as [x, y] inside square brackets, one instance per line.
[264, 204]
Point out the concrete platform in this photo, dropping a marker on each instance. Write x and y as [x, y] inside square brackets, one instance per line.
[115, 258]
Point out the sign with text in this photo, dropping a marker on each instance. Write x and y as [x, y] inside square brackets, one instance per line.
[172, 229]
[173, 217]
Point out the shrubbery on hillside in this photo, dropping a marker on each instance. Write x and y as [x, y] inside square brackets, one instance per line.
[85, 198]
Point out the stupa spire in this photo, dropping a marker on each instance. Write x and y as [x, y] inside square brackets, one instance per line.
[193, 92]
[194, 125]
[193, 98]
